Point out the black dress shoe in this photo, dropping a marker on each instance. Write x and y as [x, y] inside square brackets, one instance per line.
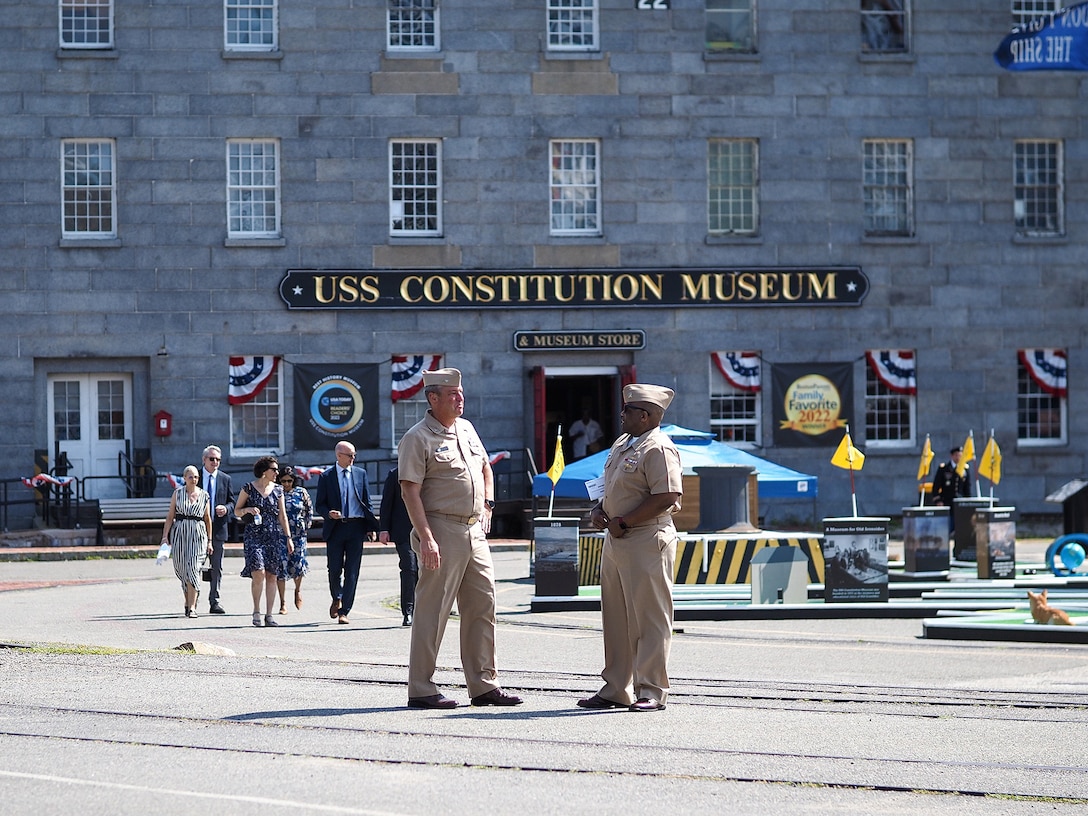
[407, 619]
[217, 610]
[597, 702]
[496, 697]
[434, 701]
[647, 704]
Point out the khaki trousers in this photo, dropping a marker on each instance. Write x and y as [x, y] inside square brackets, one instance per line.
[466, 576]
[636, 613]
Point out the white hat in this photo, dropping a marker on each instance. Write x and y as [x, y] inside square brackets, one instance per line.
[657, 395]
[443, 376]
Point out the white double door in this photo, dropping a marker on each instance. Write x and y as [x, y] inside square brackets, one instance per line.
[90, 415]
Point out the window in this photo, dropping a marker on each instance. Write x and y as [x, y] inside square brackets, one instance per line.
[734, 397]
[111, 409]
[1041, 396]
[733, 187]
[409, 401]
[89, 176]
[885, 26]
[1024, 11]
[1038, 193]
[256, 423]
[412, 25]
[887, 187]
[575, 188]
[415, 188]
[250, 25]
[890, 395]
[572, 25]
[731, 25]
[86, 23]
[253, 181]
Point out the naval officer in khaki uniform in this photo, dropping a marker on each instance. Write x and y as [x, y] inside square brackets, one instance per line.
[447, 487]
[642, 489]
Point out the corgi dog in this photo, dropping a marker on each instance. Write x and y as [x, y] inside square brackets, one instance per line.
[1042, 612]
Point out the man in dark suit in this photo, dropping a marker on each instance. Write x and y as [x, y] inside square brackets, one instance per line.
[343, 501]
[221, 499]
[394, 525]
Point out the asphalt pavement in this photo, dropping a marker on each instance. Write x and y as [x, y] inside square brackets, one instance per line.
[107, 716]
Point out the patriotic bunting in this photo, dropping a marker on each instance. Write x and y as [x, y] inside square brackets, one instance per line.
[895, 368]
[1048, 368]
[408, 373]
[248, 377]
[740, 368]
[35, 482]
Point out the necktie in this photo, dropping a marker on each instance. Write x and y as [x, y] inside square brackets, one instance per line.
[210, 486]
[345, 493]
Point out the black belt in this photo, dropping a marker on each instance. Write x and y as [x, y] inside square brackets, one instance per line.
[183, 517]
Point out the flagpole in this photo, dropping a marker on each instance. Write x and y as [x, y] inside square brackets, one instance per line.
[850, 459]
[991, 449]
[551, 501]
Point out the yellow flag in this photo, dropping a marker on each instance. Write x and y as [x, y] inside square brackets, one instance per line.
[967, 455]
[847, 456]
[556, 470]
[926, 460]
[989, 465]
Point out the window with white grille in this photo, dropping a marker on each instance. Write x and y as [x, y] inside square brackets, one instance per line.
[733, 187]
[415, 187]
[412, 25]
[735, 415]
[251, 25]
[256, 426]
[572, 25]
[253, 182]
[887, 187]
[1041, 396]
[731, 26]
[1024, 11]
[86, 23]
[575, 187]
[88, 181]
[890, 397]
[1038, 188]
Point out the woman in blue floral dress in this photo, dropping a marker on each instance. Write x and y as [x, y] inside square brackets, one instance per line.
[263, 540]
[300, 515]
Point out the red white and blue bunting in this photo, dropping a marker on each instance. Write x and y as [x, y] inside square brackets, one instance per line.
[1048, 368]
[45, 479]
[408, 373]
[740, 368]
[248, 377]
[895, 368]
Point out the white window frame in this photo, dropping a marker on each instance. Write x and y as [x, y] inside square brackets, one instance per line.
[1039, 181]
[878, 27]
[887, 179]
[412, 25]
[406, 413]
[734, 409]
[81, 171]
[733, 187]
[266, 408]
[574, 180]
[69, 36]
[883, 403]
[267, 31]
[415, 187]
[732, 15]
[1031, 399]
[1024, 11]
[251, 187]
[573, 25]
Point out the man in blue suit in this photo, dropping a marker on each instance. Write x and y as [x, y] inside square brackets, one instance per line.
[343, 501]
[221, 495]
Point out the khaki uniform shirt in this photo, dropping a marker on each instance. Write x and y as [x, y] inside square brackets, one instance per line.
[640, 467]
[447, 464]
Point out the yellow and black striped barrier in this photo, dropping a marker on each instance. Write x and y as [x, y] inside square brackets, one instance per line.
[728, 557]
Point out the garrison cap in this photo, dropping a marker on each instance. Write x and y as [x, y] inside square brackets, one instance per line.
[657, 395]
[442, 376]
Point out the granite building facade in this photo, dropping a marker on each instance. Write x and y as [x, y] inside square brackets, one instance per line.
[555, 198]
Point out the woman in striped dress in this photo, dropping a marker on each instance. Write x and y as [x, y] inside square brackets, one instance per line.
[188, 529]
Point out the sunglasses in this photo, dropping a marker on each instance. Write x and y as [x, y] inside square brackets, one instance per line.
[627, 408]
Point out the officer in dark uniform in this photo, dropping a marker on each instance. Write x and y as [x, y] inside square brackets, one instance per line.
[949, 485]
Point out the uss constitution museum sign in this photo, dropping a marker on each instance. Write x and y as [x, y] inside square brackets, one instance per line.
[567, 288]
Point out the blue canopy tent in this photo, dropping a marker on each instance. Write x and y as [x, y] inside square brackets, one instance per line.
[697, 448]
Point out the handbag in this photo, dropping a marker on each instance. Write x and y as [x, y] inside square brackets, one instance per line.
[206, 573]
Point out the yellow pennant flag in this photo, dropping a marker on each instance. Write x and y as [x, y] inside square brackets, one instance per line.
[558, 463]
[967, 455]
[926, 460]
[989, 466]
[847, 456]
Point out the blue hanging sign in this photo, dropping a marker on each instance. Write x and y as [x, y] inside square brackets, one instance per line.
[1055, 42]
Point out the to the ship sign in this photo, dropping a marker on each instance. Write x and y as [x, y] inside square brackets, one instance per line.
[1051, 42]
[571, 288]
